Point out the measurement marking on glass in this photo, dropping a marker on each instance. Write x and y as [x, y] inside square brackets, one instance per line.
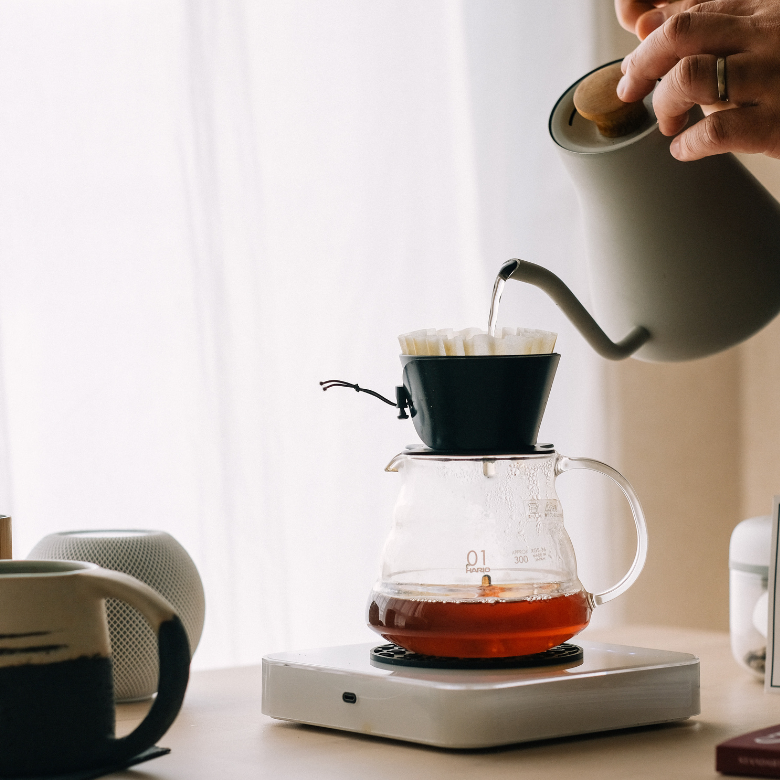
[472, 559]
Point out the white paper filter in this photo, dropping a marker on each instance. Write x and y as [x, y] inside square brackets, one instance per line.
[473, 341]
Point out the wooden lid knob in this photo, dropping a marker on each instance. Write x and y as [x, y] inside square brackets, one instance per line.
[596, 99]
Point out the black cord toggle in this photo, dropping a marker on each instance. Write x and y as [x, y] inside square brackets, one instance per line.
[402, 402]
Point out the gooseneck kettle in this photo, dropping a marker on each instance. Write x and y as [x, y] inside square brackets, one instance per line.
[683, 257]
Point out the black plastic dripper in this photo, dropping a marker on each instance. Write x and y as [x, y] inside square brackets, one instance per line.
[490, 403]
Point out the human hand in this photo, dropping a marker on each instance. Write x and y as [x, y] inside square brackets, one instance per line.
[683, 51]
[641, 17]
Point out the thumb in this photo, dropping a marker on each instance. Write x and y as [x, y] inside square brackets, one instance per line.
[652, 20]
[629, 11]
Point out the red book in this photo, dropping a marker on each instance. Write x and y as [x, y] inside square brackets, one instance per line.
[752, 755]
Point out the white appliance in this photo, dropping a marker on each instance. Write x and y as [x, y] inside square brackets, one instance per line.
[612, 687]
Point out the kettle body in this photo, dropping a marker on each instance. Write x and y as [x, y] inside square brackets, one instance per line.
[688, 250]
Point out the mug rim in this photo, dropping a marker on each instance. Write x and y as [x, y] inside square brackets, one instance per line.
[42, 568]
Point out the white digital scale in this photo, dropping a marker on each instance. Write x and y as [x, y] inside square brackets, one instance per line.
[611, 687]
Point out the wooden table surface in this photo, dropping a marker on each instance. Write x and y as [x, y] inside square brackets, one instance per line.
[220, 733]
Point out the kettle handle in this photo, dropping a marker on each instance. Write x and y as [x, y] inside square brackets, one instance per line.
[567, 464]
[174, 652]
[570, 305]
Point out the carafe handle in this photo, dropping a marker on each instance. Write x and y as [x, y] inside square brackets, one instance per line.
[567, 464]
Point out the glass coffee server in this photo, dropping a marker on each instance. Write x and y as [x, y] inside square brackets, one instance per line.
[478, 563]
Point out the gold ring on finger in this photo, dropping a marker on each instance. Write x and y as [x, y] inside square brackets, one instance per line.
[723, 94]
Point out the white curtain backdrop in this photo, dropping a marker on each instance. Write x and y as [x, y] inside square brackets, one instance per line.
[207, 208]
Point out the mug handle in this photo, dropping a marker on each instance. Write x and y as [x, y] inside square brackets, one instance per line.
[567, 464]
[174, 652]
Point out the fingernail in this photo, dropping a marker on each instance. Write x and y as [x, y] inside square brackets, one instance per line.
[676, 147]
[621, 87]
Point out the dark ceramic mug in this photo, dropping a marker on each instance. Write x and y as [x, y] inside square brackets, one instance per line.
[56, 688]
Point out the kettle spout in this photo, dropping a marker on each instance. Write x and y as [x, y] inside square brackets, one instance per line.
[578, 315]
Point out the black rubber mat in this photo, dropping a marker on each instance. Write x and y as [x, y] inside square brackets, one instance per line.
[557, 656]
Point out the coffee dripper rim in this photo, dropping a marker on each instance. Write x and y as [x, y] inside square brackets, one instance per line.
[538, 355]
[426, 453]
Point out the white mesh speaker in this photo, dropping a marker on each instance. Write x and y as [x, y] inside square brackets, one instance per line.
[154, 557]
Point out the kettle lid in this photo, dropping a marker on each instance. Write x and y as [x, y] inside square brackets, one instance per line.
[576, 133]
